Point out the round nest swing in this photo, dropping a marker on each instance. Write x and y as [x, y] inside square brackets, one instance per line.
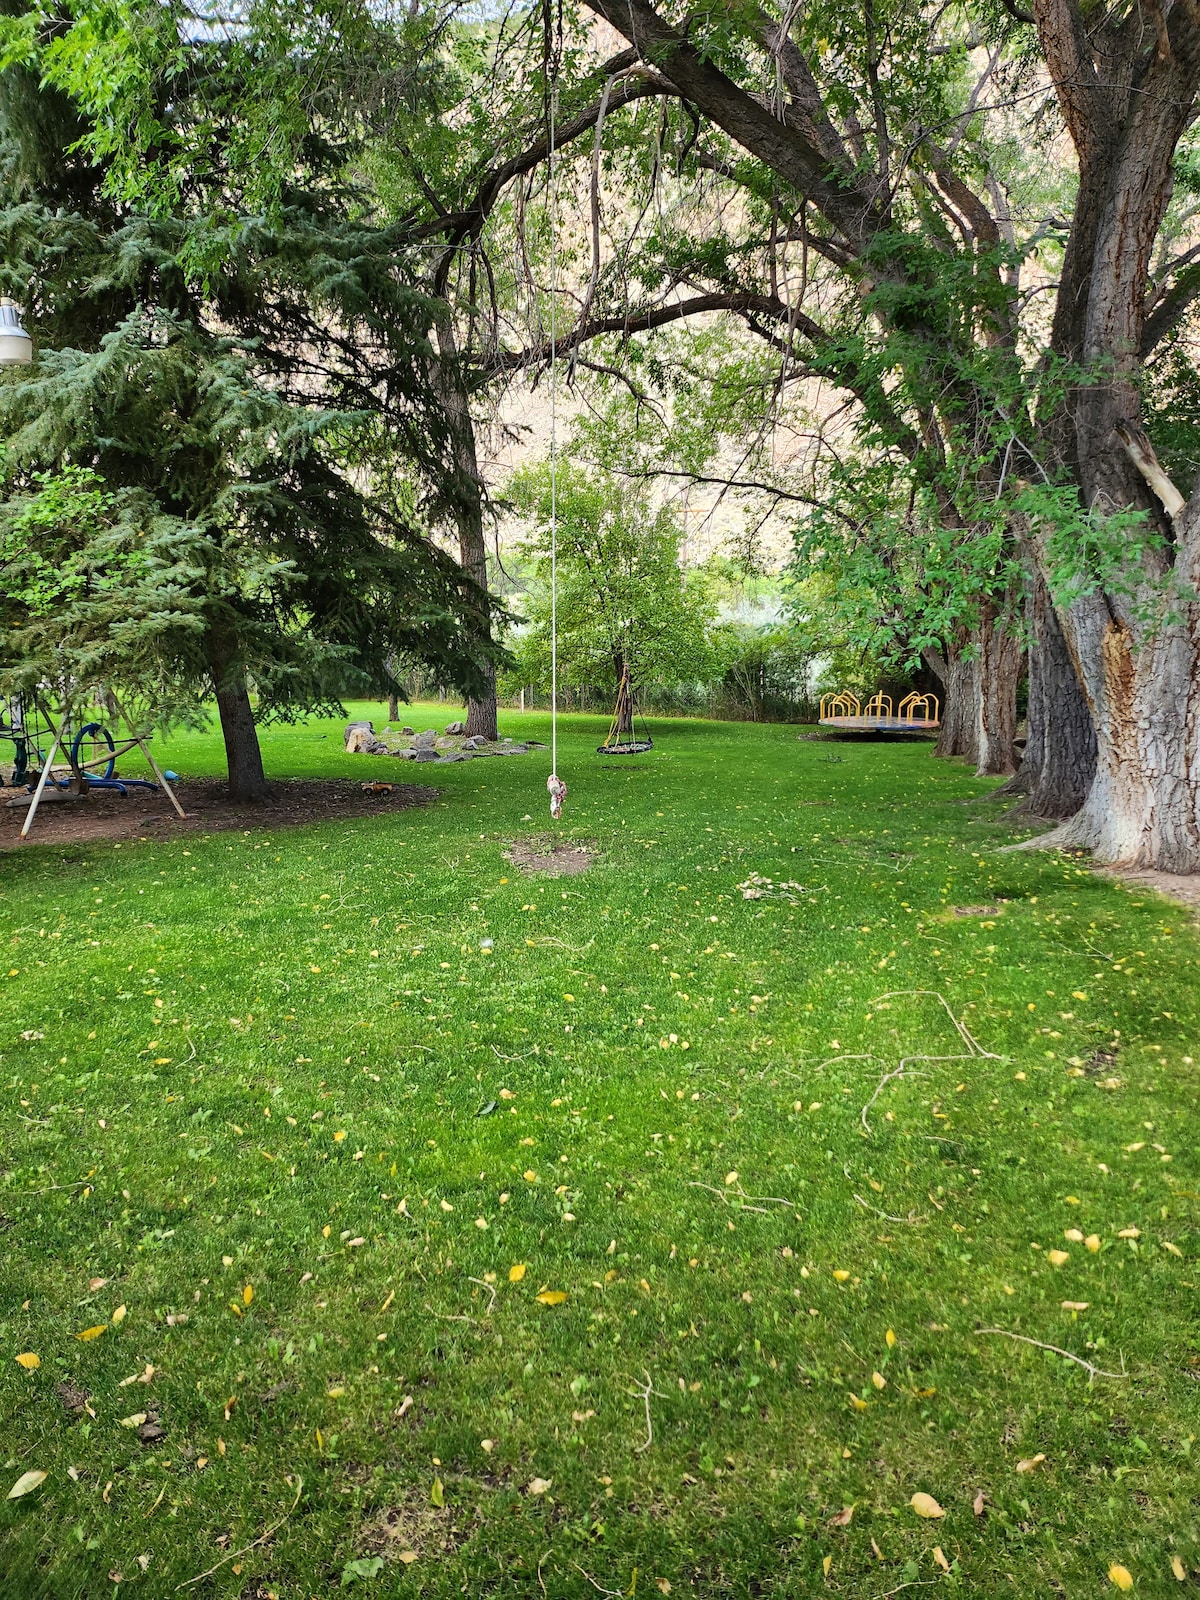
[622, 738]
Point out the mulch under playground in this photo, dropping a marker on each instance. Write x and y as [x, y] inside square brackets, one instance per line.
[292, 803]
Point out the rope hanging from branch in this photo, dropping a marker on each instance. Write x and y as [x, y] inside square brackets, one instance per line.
[554, 784]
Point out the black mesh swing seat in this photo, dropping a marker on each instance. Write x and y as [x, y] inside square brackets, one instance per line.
[622, 738]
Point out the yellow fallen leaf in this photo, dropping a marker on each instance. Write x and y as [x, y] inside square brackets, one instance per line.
[826, 1564]
[517, 1272]
[1134, 1148]
[840, 1274]
[1074, 1235]
[663, 1585]
[1173, 1248]
[539, 1485]
[889, 1339]
[437, 1495]
[336, 1392]
[92, 1333]
[29, 1361]
[25, 1483]
[859, 1405]
[925, 1505]
[1031, 1462]
[1075, 1305]
[878, 1379]
[1178, 1568]
[529, 1175]
[247, 1294]
[118, 1315]
[1093, 1242]
[730, 1179]
[339, 1136]
[551, 1297]
[1058, 1258]
[407, 1556]
[1129, 1233]
[320, 1440]
[135, 1421]
[940, 1558]
[388, 1301]
[1121, 1576]
[842, 1518]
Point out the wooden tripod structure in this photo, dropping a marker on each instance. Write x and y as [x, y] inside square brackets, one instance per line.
[136, 740]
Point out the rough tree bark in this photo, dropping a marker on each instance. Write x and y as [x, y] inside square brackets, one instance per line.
[468, 514]
[1060, 752]
[1127, 87]
[243, 757]
[959, 731]
[998, 673]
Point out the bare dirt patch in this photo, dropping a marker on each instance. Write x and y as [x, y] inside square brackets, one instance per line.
[412, 1528]
[293, 802]
[553, 858]
[1182, 887]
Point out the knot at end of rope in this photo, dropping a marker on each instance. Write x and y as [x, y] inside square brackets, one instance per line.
[558, 794]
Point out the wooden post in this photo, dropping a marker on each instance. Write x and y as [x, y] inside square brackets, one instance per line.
[41, 784]
[144, 746]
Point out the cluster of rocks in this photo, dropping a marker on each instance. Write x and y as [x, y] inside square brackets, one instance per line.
[429, 745]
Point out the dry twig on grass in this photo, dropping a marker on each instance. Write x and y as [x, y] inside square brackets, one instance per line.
[245, 1550]
[749, 1202]
[643, 1394]
[1090, 1367]
[972, 1051]
[912, 1220]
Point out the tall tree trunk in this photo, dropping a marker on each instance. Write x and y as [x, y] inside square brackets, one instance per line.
[1127, 87]
[1143, 808]
[243, 757]
[959, 731]
[1060, 755]
[623, 714]
[998, 672]
[468, 514]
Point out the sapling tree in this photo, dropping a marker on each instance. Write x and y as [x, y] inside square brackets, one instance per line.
[625, 605]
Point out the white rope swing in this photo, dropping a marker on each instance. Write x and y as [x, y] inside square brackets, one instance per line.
[554, 784]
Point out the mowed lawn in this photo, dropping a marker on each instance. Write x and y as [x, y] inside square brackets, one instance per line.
[356, 1253]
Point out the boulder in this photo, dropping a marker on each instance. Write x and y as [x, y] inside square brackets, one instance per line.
[408, 732]
[455, 755]
[426, 739]
[425, 754]
[456, 727]
[476, 742]
[361, 741]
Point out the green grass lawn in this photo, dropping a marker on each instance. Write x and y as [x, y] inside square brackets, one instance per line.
[571, 1266]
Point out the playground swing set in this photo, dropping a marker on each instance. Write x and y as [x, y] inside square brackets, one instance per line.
[87, 749]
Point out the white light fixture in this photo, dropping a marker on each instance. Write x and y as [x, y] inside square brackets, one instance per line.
[16, 347]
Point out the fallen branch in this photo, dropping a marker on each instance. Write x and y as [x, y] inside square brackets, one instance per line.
[644, 1396]
[912, 1221]
[749, 1202]
[593, 1582]
[245, 1550]
[491, 1289]
[897, 1072]
[973, 1050]
[1093, 1371]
